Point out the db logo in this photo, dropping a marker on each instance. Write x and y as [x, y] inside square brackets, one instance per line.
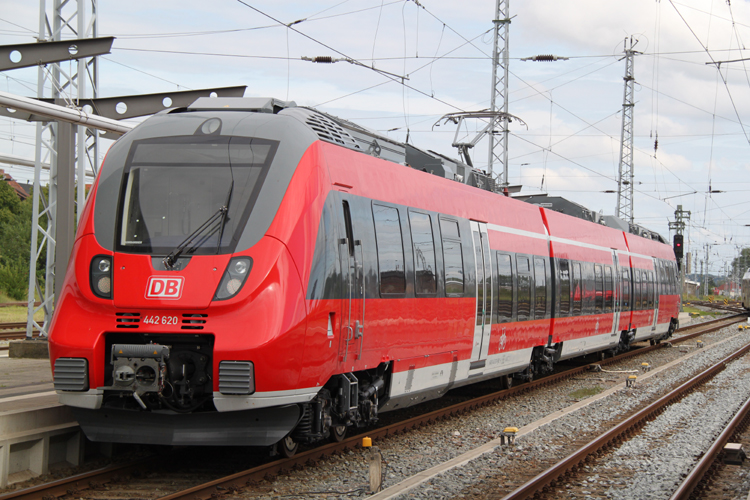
[164, 288]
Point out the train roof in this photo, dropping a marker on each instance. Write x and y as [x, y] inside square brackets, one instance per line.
[341, 132]
[562, 205]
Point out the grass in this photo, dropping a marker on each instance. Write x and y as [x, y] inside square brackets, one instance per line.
[695, 311]
[4, 299]
[17, 314]
[585, 393]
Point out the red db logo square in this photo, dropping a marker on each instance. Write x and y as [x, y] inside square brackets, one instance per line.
[160, 287]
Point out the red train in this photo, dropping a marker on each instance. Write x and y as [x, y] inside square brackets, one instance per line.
[249, 272]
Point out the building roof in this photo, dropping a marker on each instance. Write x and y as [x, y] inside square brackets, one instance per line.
[23, 191]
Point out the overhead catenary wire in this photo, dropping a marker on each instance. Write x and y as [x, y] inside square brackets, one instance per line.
[386, 75]
[726, 85]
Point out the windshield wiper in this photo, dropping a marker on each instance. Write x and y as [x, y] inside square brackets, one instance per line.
[170, 260]
[225, 215]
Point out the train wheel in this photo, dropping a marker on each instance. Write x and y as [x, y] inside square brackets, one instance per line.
[338, 433]
[288, 447]
[506, 381]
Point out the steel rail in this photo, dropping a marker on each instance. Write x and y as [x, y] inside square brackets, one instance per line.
[8, 326]
[629, 425]
[697, 475]
[86, 480]
[238, 480]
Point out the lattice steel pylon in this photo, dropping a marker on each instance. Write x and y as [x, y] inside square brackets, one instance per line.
[624, 209]
[65, 82]
[498, 150]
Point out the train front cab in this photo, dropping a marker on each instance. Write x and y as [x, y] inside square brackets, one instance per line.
[146, 350]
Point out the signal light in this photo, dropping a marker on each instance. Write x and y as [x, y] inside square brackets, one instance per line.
[678, 246]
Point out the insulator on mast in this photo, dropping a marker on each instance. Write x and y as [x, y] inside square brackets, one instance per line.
[545, 57]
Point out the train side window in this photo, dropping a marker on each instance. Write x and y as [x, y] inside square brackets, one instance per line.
[663, 278]
[564, 267]
[598, 288]
[609, 295]
[348, 226]
[523, 269]
[637, 289]
[651, 289]
[589, 294]
[424, 253]
[675, 282]
[390, 249]
[453, 260]
[625, 289]
[577, 290]
[540, 286]
[449, 228]
[505, 288]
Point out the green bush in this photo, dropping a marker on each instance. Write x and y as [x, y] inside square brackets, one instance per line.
[15, 244]
[14, 279]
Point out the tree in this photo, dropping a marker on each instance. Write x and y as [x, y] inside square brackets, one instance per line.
[10, 204]
[741, 263]
[15, 244]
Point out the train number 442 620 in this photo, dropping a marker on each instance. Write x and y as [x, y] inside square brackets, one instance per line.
[161, 320]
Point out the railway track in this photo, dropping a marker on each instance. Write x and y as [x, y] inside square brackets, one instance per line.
[222, 483]
[730, 306]
[699, 481]
[562, 473]
[13, 331]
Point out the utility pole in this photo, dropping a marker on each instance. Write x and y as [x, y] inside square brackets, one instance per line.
[65, 82]
[624, 209]
[499, 99]
[681, 217]
[705, 275]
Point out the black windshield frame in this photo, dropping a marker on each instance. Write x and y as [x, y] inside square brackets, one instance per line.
[241, 214]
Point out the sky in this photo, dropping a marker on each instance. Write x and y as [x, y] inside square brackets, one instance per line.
[691, 117]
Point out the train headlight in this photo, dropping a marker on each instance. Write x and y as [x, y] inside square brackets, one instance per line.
[101, 276]
[234, 278]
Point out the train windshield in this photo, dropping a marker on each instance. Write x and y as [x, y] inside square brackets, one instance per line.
[174, 185]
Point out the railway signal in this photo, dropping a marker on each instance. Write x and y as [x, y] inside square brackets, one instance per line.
[678, 246]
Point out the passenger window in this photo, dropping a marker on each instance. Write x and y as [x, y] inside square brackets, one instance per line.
[589, 287]
[577, 290]
[651, 289]
[609, 294]
[540, 281]
[505, 288]
[390, 249]
[598, 288]
[424, 253]
[453, 260]
[626, 289]
[564, 287]
[524, 288]
[449, 228]
[637, 288]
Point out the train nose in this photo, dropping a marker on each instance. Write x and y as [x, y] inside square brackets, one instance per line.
[138, 284]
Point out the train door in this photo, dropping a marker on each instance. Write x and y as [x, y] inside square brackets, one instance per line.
[352, 322]
[614, 299]
[483, 263]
